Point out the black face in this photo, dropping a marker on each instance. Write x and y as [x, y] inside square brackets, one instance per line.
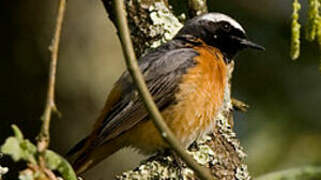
[222, 32]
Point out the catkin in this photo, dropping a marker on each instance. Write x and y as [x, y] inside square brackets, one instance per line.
[295, 37]
[313, 20]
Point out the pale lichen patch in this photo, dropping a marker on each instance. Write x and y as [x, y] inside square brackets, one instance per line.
[164, 23]
[152, 170]
[203, 155]
[242, 172]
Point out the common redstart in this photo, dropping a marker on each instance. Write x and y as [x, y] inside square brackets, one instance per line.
[186, 77]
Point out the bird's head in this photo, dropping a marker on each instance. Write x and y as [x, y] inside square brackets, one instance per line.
[220, 31]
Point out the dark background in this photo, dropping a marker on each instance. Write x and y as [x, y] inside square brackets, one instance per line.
[281, 129]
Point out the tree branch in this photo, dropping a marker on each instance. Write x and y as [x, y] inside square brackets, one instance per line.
[44, 136]
[151, 107]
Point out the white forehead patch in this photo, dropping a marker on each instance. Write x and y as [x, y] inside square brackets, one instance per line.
[217, 17]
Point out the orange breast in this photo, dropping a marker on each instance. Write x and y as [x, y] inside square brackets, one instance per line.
[199, 99]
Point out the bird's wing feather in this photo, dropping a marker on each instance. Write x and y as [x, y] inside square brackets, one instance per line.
[162, 71]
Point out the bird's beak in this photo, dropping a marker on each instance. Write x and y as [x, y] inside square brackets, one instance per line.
[249, 44]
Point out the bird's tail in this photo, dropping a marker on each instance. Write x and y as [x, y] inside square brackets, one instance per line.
[84, 156]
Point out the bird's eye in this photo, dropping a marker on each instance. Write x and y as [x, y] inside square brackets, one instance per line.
[227, 27]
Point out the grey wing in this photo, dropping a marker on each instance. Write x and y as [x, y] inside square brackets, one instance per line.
[162, 72]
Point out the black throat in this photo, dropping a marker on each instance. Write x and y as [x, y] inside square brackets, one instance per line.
[190, 40]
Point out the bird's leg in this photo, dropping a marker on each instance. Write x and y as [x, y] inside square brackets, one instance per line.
[179, 163]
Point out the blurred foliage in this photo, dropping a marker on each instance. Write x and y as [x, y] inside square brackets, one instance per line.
[22, 149]
[281, 129]
[304, 173]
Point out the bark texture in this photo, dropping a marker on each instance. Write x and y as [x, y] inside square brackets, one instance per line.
[153, 22]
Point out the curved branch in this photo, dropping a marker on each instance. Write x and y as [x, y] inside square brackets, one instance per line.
[133, 68]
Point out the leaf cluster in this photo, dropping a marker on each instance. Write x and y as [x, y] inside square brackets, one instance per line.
[20, 149]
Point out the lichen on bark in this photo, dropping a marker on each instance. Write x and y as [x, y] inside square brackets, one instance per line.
[153, 23]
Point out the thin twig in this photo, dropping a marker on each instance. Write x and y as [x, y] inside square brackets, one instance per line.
[240, 105]
[44, 135]
[132, 66]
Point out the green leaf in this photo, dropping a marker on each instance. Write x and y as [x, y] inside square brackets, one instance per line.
[19, 149]
[18, 134]
[56, 162]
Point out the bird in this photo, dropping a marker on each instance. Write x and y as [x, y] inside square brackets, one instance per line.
[186, 77]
